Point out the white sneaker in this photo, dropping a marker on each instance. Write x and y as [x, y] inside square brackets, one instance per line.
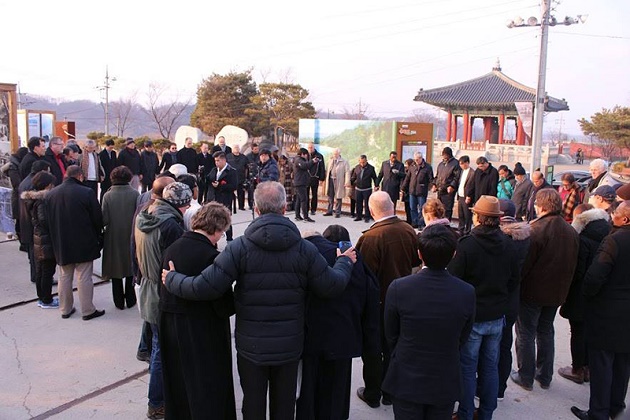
[52, 305]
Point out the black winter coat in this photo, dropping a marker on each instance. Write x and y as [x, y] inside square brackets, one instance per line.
[26, 223]
[149, 167]
[365, 181]
[131, 159]
[168, 160]
[346, 326]
[390, 180]
[592, 226]
[240, 163]
[49, 157]
[75, 221]
[108, 162]
[519, 232]
[418, 179]
[27, 163]
[224, 192]
[318, 171]
[34, 202]
[484, 183]
[447, 175]
[273, 268]
[487, 259]
[301, 175]
[207, 162]
[268, 171]
[188, 157]
[607, 291]
[14, 176]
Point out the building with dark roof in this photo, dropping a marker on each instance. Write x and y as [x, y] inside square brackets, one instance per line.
[492, 98]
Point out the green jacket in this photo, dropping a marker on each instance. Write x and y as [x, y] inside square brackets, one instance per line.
[157, 228]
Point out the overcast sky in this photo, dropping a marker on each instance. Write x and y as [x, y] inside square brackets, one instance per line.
[376, 52]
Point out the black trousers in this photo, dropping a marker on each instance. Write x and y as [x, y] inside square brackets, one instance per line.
[362, 202]
[203, 189]
[407, 410]
[240, 194]
[505, 351]
[449, 201]
[31, 261]
[375, 367]
[124, 294]
[44, 272]
[464, 215]
[105, 186]
[301, 201]
[282, 383]
[325, 389]
[93, 186]
[579, 354]
[312, 191]
[609, 383]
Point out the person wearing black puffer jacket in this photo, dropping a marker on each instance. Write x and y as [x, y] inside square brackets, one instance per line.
[273, 268]
[42, 245]
[593, 225]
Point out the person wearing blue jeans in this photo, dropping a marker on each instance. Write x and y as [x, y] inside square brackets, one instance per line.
[415, 203]
[481, 349]
[156, 384]
[416, 184]
[488, 260]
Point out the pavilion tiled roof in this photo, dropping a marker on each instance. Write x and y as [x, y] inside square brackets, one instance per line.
[491, 91]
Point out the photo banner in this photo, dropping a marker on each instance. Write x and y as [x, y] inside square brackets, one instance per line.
[526, 113]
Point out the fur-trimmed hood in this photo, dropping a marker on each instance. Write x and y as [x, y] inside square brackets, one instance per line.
[34, 195]
[519, 231]
[582, 220]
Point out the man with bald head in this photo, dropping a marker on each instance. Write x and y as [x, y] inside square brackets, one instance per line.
[390, 250]
[540, 183]
[607, 291]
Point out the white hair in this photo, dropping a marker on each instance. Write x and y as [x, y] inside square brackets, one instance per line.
[417, 155]
[178, 169]
[599, 164]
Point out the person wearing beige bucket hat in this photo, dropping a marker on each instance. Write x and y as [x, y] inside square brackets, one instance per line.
[486, 259]
[487, 205]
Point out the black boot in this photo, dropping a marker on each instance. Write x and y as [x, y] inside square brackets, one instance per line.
[130, 293]
[117, 293]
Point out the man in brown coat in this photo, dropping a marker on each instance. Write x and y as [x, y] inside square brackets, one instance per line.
[390, 249]
[546, 278]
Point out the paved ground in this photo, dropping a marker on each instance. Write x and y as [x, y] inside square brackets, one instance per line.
[72, 369]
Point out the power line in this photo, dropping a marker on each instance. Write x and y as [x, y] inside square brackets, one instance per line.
[592, 35]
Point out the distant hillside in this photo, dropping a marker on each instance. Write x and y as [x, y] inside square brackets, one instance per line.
[90, 116]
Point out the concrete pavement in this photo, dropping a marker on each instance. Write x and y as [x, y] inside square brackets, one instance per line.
[75, 369]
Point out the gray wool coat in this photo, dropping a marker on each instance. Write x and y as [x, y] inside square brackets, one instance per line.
[119, 206]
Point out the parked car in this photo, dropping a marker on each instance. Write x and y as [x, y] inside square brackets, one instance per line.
[582, 177]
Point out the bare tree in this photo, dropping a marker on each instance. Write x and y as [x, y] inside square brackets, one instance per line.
[358, 112]
[125, 112]
[165, 114]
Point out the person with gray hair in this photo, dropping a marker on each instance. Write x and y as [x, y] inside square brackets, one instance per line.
[274, 269]
[90, 164]
[337, 180]
[599, 171]
[416, 184]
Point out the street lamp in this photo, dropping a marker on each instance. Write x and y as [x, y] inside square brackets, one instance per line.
[106, 88]
[539, 105]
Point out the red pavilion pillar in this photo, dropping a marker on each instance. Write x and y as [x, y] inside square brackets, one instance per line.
[471, 124]
[449, 124]
[454, 131]
[501, 127]
[466, 127]
[487, 128]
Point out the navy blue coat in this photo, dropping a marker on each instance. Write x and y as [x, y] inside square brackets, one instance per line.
[343, 327]
[428, 316]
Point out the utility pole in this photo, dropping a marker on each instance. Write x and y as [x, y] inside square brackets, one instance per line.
[539, 106]
[541, 95]
[106, 88]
